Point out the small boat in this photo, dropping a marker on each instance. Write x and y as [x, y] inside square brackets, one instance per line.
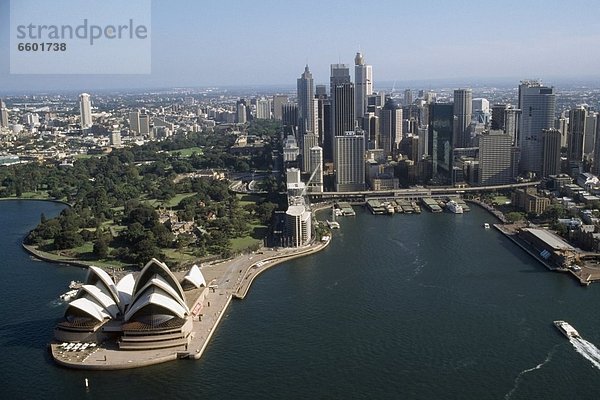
[486, 225]
[68, 296]
[454, 207]
[567, 329]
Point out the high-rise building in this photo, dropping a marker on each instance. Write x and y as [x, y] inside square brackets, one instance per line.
[3, 115]
[298, 225]
[596, 163]
[495, 158]
[134, 122]
[289, 114]
[537, 104]
[363, 85]
[323, 117]
[115, 137]
[278, 101]
[316, 169]
[408, 97]
[349, 162]
[463, 112]
[309, 140]
[85, 110]
[342, 100]
[589, 136]
[263, 109]
[306, 109]
[440, 139]
[240, 114]
[144, 123]
[551, 139]
[576, 131]
[391, 127]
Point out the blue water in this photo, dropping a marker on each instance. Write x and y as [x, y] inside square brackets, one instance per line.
[409, 307]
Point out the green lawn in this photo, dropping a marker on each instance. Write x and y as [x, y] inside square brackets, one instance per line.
[242, 243]
[188, 151]
[174, 202]
[249, 199]
[500, 200]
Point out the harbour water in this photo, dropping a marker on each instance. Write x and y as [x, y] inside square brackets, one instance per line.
[426, 306]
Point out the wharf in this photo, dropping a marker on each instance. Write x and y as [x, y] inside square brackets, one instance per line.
[431, 205]
[586, 274]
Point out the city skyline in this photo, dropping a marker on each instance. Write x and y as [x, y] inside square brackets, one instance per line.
[197, 44]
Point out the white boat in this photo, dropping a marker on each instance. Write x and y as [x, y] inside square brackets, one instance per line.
[333, 224]
[454, 207]
[566, 329]
[68, 296]
[486, 225]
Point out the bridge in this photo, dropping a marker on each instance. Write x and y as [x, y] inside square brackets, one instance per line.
[414, 193]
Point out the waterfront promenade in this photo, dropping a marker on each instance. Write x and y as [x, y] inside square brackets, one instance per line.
[226, 280]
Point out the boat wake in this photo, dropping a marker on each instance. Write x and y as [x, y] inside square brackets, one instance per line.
[587, 349]
[519, 377]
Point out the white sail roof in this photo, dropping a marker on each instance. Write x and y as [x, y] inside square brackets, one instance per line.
[159, 282]
[96, 274]
[103, 299]
[155, 267]
[158, 297]
[195, 277]
[90, 307]
[125, 290]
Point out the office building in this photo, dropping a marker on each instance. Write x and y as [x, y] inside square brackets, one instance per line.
[363, 85]
[408, 97]
[463, 111]
[263, 109]
[144, 119]
[134, 123]
[309, 140]
[3, 115]
[278, 101]
[575, 135]
[551, 152]
[589, 135]
[391, 127]
[306, 108]
[342, 100]
[115, 137]
[240, 113]
[315, 184]
[289, 114]
[495, 158]
[439, 141]
[537, 104]
[349, 161]
[85, 110]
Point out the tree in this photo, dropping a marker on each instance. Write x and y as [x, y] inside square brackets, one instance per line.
[515, 216]
[68, 240]
[100, 248]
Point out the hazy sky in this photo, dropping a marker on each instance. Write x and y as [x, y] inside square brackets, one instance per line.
[235, 42]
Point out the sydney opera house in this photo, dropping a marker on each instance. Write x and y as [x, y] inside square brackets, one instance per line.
[149, 311]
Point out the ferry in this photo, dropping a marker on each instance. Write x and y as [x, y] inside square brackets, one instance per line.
[68, 296]
[453, 207]
[567, 329]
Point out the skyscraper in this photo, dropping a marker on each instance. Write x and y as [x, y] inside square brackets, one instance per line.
[306, 109]
[342, 99]
[551, 139]
[537, 104]
[134, 122]
[309, 140]
[316, 169]
[391, 126]
[363, 81]
[240, 116]
[263, 109]
[3, 115]
[408, 97]
[144, 123]
[439, 143]
[278, 101]
[463, 111]
[495, 156]
[349, 162]
[85, 110]
[576, 131]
